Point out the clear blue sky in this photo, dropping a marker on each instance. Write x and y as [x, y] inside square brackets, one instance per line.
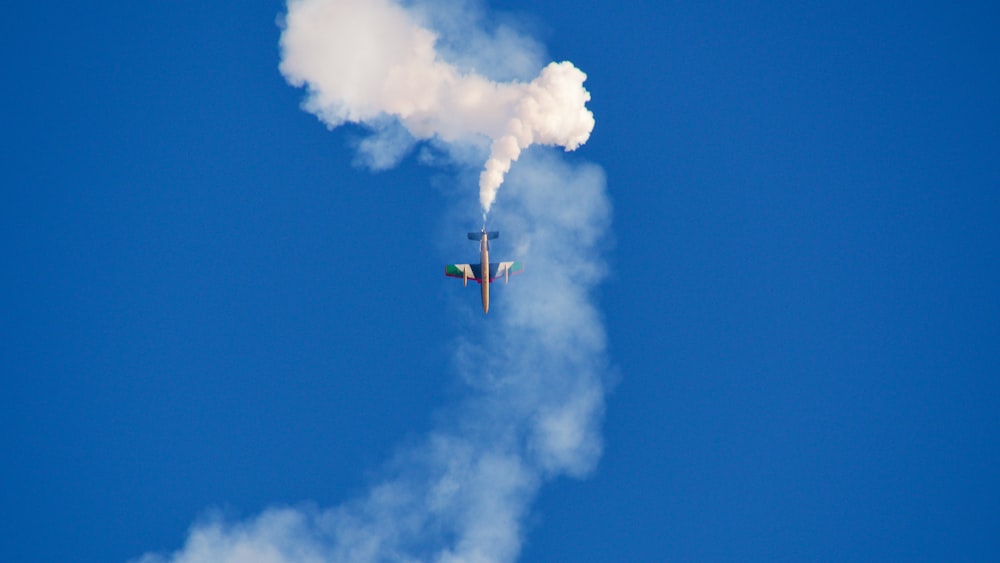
[206, 305]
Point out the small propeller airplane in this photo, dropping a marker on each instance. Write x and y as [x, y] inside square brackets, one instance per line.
[492, 271]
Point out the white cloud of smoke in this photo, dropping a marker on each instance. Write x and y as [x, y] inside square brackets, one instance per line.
[364, 60]
[535, 387]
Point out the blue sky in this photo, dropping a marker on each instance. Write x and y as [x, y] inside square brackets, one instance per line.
[209, 306]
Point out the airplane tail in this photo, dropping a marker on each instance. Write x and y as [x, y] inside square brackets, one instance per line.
[490, 235]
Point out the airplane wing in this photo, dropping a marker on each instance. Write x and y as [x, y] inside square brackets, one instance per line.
[463, 271]
[505, 269]
[472, 271]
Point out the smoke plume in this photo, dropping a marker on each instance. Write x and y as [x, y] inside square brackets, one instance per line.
[364, 60]
[535, 389]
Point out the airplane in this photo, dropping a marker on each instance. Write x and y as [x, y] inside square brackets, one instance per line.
[475, 271]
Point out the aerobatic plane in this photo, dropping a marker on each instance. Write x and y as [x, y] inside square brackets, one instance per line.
[475, 271]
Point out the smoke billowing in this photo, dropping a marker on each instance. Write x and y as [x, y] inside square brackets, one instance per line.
[535, 389]
[362, 61]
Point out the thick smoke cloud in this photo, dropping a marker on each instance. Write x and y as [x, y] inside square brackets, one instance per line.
[364, 60]
[534, 390]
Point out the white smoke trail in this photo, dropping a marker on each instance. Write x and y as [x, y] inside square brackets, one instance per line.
[363, 60]
[534, 401]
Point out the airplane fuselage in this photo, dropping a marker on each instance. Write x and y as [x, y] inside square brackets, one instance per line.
[484, 261]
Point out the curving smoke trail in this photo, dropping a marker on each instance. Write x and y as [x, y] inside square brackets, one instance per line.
[534, 413]
[364, 60]
[462, 494]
